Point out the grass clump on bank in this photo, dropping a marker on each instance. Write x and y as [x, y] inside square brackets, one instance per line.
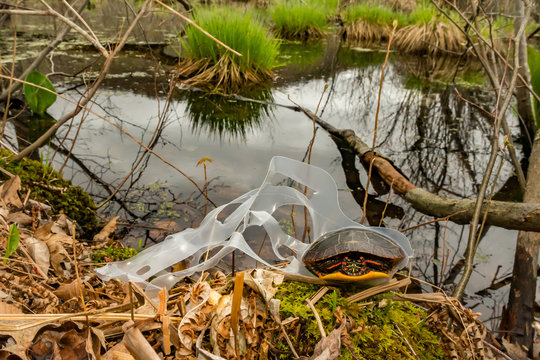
[297, 19]
[366, 22]
[429, 33]
[208, 64]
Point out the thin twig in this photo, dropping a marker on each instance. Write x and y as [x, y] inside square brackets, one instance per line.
[499, 112]
[364, 207]
[77, 28]
[75, 263]
[317, 318]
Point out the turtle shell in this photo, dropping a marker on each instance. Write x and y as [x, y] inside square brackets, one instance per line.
[353, 254]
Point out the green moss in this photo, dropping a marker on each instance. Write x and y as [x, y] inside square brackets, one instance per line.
[382, 326]
[113, 254]
[47, 186]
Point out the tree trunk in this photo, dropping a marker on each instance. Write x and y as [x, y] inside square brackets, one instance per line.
[519, 314]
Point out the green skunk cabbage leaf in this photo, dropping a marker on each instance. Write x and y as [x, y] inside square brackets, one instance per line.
[38, 99]
[12, 242]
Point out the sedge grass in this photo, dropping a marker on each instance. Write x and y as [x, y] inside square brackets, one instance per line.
[429, 33]
[297, 19]
[207, 64]
[431, 38]
[366, 22]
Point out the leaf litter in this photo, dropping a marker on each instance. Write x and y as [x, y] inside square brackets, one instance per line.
[53, 306]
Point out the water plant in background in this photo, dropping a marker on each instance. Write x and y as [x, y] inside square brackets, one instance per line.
[366, 22]
[297, 19]
[209, 65]
[429, 33]
[39, 100]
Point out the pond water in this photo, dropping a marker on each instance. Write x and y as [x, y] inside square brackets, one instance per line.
[436, 139]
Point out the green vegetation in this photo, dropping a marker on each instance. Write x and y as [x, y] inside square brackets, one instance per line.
[39, 100]
[12, 242]
[366, 22]
[298, 19]
[209, 64]
[375, 14]
[227, 117]
[422, 15]
[429, 32]
[380, 325]
[47, 186]
[112, 253]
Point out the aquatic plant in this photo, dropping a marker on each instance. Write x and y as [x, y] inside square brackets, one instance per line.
[366, 22]
[208, 64]
[297, 19]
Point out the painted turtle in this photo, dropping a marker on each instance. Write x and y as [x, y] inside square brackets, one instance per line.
[353, 254]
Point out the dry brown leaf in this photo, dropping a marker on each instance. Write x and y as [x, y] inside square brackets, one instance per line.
[66, 341]
[200, 292]
[137, 344]
[6, 308]
[59, 254]
[264, 282]
[117, 355]
[20, 218]
[221, 334]
[70, 290]
[9, 196]
[329, 347]
[165, 228]
[95, 340]
[118, 351]
[44, 231]
[73, 346]
[514, 350]
[62, 225]
[33, 204]
[40, 253]
[191, 324]
[13, 353]
[107, 230]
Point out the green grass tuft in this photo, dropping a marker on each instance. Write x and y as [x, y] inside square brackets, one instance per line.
[238, 29]
[374, 14]
[298, 19]
[207, 63]
[423, 15]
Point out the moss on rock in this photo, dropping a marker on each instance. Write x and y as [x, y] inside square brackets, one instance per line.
[49, 187]
[383, 328]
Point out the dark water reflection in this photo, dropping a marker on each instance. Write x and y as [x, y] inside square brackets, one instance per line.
[438, 140]
[225, 117]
